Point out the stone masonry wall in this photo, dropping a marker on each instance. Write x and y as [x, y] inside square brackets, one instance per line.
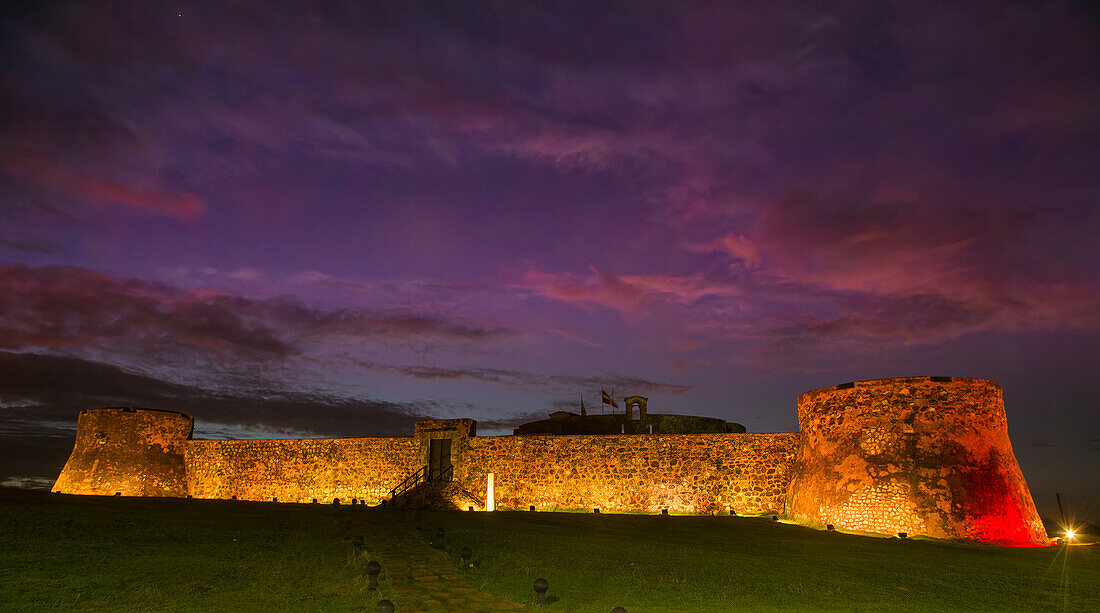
[921, 455]
[689, 473]
[132, 452]
[300, 470]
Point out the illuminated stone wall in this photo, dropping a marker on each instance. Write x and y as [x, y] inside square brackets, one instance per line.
[925, 456]
[134, 452]
[690, 473]
[915, 455]
[300, 470]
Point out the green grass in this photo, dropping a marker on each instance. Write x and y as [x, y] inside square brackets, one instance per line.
[88, 553]
[92, 553]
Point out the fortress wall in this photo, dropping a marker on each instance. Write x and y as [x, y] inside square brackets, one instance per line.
[300, 470]
[694, 473]
[134, 452]
[912, 455]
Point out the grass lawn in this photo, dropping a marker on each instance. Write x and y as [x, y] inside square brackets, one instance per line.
[91, 553]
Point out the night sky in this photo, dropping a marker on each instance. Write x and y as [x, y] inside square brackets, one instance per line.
[330, 219]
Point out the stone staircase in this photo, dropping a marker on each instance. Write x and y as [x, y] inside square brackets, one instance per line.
[416, 488]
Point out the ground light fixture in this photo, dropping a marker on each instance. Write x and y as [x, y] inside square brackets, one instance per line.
[465, 554]
[618, 610]
[383, 606]
[541, 585]
[373, 568]
[1071, 534]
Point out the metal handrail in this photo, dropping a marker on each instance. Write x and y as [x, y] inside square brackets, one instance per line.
[409, 483]
[415, 479]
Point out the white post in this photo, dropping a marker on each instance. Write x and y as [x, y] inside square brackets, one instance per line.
[490, 504]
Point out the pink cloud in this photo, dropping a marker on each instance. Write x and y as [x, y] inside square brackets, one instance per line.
[51, 175]
[736, 245]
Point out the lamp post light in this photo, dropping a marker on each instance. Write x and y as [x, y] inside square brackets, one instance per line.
[383, 606]
[541, 585]
[373, 568]
[465, 554]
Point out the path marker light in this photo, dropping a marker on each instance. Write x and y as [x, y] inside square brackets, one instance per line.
[373, 568]
[465, 554]
[618, 610]
[541, 585]
[383, 606]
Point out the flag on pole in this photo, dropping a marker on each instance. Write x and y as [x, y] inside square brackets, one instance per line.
[608, 399]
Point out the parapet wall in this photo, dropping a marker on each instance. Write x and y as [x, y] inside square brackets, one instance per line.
[921, 455]
[300, 470]
[689, 473]
[132, 452]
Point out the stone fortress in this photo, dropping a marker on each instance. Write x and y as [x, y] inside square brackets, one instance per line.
[921, 455]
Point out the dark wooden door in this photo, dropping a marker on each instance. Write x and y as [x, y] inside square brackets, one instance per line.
[439, 457]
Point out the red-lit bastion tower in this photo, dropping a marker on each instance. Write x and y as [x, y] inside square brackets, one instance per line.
[921, 455]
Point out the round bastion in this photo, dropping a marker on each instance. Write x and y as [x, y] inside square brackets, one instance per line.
[128, 451]
[920, 455]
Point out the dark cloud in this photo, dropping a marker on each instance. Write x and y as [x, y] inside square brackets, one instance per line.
[50, 391]
[526, 379]
[67, 306]
[31, 244]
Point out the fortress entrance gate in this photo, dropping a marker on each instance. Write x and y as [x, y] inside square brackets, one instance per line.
[439, 457]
